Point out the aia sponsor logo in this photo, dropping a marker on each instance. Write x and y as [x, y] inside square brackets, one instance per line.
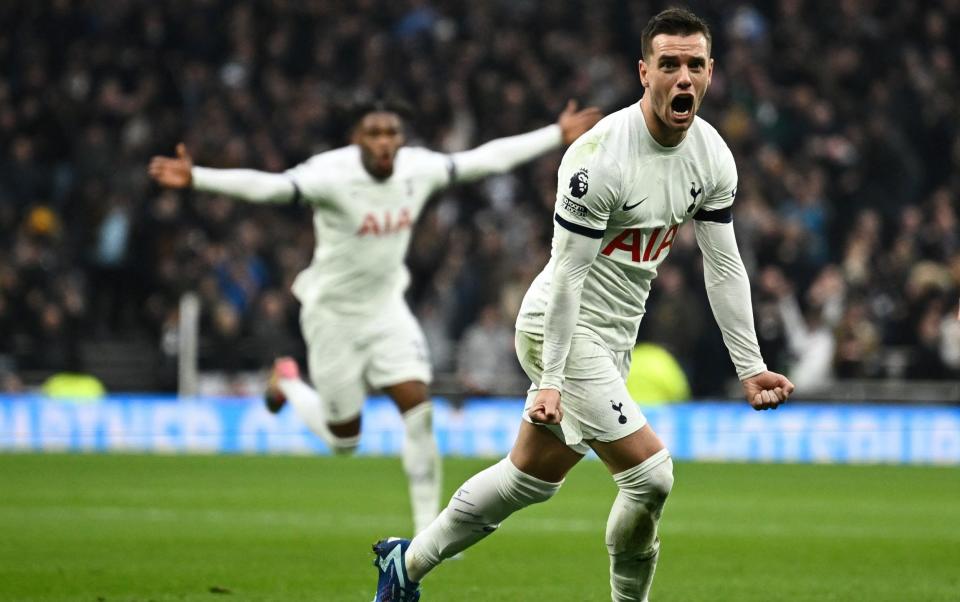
[642, 245]
[386, 222]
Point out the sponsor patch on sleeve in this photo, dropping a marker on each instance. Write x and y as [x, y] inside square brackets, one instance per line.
[572, 207]
[580, 183]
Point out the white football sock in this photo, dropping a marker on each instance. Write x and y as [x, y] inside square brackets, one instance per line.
[632, 526]
[475, 511]
[308, 405]
[421, 462]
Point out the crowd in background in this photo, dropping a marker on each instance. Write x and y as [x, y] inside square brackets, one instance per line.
[842, 115]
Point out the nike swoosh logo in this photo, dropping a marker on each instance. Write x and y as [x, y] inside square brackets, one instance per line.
[628, 207]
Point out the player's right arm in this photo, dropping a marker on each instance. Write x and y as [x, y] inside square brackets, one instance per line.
[245, 184]
[588, 190]
[503, 154]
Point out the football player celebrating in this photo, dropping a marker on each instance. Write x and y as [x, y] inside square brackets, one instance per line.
[624, 189]
[358, 329]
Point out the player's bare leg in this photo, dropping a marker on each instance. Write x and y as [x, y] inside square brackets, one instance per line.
[643, 470]
[347, 430]
[408, 395]
[284, 368]
[421, 458]
[539, 453]
[532, 473]
[632, 450]
[285, 385]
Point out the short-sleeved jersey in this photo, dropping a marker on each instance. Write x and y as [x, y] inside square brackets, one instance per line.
[363, 225]
[618, 184]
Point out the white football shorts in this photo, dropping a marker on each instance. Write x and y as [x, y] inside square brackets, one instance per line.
[595, 401]
[345, 354]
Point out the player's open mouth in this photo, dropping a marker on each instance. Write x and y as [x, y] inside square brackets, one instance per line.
[681, 106]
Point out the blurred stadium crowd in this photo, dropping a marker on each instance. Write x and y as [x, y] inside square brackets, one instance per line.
[843, 117]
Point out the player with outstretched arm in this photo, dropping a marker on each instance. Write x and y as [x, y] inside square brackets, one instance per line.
[358, 329]
[624, 189]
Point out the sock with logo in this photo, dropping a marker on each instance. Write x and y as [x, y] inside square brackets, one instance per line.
[475, 511]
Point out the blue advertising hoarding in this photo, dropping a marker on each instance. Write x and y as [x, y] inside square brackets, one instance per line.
[825, 433]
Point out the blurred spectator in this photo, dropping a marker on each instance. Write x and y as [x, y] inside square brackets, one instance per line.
[809, 334]
[858, 343]
[108, 273]
[486, 362]
[10, 382]
[220, 347]
[676, 315]
[850, 161]
[439, 342]
[271, 325]
[950, 341]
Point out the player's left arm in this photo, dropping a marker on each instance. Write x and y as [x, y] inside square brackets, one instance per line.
[728, 289]
[503, 154]
[573, 254]
[588, 190]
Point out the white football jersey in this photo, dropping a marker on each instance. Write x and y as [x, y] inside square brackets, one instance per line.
[618, 184]
[363, 225]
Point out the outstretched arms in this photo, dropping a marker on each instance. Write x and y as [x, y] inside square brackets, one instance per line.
[503, 154]
[245, 184]
[173, 172]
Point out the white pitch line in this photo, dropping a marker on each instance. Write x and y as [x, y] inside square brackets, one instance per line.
[348, 522]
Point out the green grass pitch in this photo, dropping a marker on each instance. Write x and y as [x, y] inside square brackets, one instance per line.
[173, 528]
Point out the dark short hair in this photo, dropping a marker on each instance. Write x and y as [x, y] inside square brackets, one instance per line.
[361, 108]
[673, 21]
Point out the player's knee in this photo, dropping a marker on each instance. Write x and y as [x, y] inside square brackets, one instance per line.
[345, 428]
[524, 489]
[420, 454]
[344, 446]
[649, 483]
[660, 481]
[409, 395]
[344, 437]
[632, 526]
[418, 421]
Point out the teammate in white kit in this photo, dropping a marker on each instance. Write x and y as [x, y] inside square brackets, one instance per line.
[624, 189]
[358, 329]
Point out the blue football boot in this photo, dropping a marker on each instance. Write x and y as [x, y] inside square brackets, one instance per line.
[393, 584]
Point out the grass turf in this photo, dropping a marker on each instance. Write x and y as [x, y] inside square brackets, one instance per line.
[167, 528]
